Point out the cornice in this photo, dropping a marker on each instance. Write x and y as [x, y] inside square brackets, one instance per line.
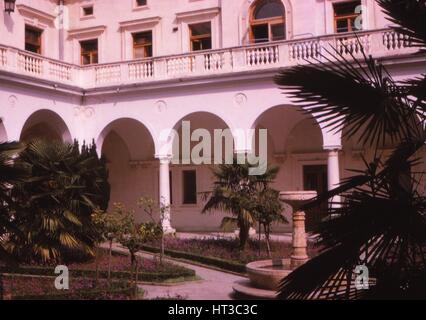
[31, 12]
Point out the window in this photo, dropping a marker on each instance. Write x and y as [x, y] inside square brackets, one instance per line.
[89, 52]
[87, 11]
[345, 16]
[189, 187]
[201, 36]
[33, 39]
[267, 22]
[140, 3]
[142, 45]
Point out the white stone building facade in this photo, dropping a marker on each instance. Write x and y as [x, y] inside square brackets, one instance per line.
[123, 72]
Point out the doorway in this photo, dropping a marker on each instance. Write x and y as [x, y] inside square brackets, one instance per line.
[315, 178]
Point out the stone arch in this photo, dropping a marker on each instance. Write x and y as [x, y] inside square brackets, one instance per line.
[203, 120]
[132, 122]
[45, 124]
[128, 148]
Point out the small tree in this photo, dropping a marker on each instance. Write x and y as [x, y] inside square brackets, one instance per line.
[233, 192]
[134, 235]
[107, 227]
[267, 209]
[150, 207]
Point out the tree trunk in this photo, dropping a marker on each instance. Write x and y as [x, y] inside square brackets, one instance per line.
[132, 265]
[109, 262]
[268, 244]
[260, 240]
[244, 233]
[136, 278]
[97, 266]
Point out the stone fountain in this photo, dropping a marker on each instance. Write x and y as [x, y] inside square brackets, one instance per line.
[265, 276]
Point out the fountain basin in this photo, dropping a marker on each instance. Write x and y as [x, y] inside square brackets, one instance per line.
[296, 199]
[267, 274]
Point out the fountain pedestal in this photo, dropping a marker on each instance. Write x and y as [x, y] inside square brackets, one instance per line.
[265, 276]
[296, 199]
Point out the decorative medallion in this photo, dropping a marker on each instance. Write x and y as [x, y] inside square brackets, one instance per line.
[161, 106]
[240, 99]
[13, 100]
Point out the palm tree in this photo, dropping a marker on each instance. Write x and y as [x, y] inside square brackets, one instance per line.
[233, 192]
[9, 175]
[381, 221]
[56, 202]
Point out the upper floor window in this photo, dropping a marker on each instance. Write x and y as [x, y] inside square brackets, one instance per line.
[89, 52]
[140, 3]
[346, 15]
[142, 44]
[267, 21]
[201, 36]
[87, 11]
[33, 39]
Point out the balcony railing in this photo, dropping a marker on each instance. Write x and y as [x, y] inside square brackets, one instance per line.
[378, 43]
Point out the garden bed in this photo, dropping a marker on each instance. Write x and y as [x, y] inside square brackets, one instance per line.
[223, 253]
[33, 287]
[37, 282]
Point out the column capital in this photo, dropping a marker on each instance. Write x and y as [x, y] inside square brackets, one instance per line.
[166, 159]
[333, 148]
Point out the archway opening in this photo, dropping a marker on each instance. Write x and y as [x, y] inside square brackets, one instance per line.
[191, 172]
[295, 146]
[128, 148]
[45, 124]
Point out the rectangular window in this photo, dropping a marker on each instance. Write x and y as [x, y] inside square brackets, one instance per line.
[345, 16]
[200, 36]
[89, 52]
[140, 3]
[142, 45]
[33, 39]
[87, 11]
[189, 187]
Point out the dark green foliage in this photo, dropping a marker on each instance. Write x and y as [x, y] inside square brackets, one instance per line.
[57, 199]
[381, 221]
[234, 191]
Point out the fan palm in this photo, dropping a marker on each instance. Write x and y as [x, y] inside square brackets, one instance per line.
[56, 202]
[381, 221]
[9, 175]
[233, 192]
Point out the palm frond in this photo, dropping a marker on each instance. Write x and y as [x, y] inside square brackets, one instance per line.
[409, 16]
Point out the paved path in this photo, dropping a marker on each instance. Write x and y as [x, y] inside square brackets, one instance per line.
[213, 285]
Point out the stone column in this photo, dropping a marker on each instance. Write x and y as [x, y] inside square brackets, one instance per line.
[299, 255]
[333, 171]
[164, 184]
